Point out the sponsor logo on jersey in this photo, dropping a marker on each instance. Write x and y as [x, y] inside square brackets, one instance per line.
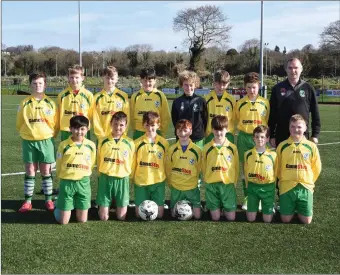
[219, 106]
[149, 164]
[296, 151]
[258, 161]
[77, 166]
[140, 113]
[182, 170]
[70, 113]
[79, 153]
[37, 120]
[250, 121]
[182, 157]
[104, 113]
[219, 168]
[113, 160]
[302, 93]
[74, 101]
[296, 166]
[257, 176]
[38, 108]
[253, 110]
[148, 99]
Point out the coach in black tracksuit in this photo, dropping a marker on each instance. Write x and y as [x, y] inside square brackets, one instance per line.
[193, 108]
[289, 97]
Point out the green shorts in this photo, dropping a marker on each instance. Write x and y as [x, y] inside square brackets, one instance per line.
[42, 151]
[137, 134]
[220, 195]
[192, 195]
[65, 135]
[112, 187]
[300, 199]
[228, 135]
[245, 142]
[74, 194]
[261, 192]
[154, 192]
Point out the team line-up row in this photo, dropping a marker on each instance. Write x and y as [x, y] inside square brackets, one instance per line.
[205, 148]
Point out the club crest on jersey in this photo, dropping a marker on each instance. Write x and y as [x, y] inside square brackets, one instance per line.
[157, 104]
[159, 155]
[263, 113]
[228, 158]
[283, 91]
[227, 108]
[87, 157]
[305, 156]
[48, 112]
[125, 153]
[268, 167]
[58, 155]
[119, 105]
[302, 93]
[192, 161]
[195, 107]
[82, 106]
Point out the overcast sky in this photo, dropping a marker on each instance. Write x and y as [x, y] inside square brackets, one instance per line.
[105, 24]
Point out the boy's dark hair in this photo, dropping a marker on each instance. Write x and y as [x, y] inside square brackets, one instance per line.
[222, 76]
[36, 75]
[79, 121]
[219, 122]
[251, 78]
[109, 70]
[261, 129]
[119, 116]
[151, 118]
[148, 73]
[183, 123]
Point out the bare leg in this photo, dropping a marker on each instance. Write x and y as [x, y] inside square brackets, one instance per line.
[103, 213]
[215, 215]
[81, 215]
[121, 213]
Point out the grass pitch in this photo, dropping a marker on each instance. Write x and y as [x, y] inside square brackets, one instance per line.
[34, 243]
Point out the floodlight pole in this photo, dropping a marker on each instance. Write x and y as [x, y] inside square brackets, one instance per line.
[261, 52]
[80, 61]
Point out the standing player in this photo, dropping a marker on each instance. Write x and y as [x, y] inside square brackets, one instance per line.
[220, 102]
[251, 111]
[107, 102]
[148, 170]
[148, 98]
[220, 166]
[37, 123]
[260, 175]
[191, 107]
[76, 157]
[74, 100]
[115, 157]
[183, 169]
[299, 166]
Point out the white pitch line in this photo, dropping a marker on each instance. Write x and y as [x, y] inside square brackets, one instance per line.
[331, 143]
[9, 109]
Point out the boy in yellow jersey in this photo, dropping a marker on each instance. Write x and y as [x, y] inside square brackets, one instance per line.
[251, 111]
[74, 100]
[107, 102]
[260, 176]
[183, 168]
[148, 98]
[148, 172]
[115, 157]
[76, 157]
[299, 166]
[220, 166]
[37, 123]
[220, 102]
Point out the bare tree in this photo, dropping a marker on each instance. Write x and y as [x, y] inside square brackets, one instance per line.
[331, 35]
[205, 26]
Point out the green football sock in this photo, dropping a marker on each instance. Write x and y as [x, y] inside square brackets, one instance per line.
[29, 182]
[47, 185]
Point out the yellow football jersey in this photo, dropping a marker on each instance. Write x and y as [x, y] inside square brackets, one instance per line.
[142, 102]
[251, 114]
[220, 165]
[183, 168]
[70, 105]
[299, 163]
[225, 106]
[106, 105]
[260, 168]
[37, 120]
[115, 158]
[73, 162]
[149, 161]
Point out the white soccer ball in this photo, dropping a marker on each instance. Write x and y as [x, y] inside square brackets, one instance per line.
[183, 210]
[148, 210]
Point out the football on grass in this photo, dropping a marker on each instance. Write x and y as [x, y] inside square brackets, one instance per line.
[148, 210]
[183, 210]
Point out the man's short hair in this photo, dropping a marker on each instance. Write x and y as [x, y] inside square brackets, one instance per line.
[291, 60]
[261, 129]
[188, 76]
[183, 124]
[119, 116]
[219, 122]
[79, 121]
[109, 71]
[296, 118]
[76, 69]
[221, 76]
[251, 78]
[36, 75]
[151, 118]
[147, 73]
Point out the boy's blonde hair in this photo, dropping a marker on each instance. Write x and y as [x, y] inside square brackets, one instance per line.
[190, 76]
[151, 118]
[222, 76]
[76, 69]
[109, 71]
[296, 118]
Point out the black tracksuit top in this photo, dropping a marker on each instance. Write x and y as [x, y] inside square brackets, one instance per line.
[286, 101]
[194, 109]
